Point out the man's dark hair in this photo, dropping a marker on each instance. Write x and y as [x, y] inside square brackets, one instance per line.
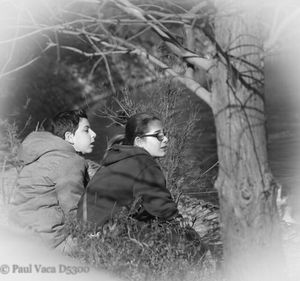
[66, 121]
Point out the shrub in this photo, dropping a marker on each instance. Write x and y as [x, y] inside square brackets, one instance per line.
[165, 101]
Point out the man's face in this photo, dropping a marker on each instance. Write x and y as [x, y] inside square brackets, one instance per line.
[84, 137]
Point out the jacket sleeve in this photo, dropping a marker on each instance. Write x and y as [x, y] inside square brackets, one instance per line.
[156, 198]
[71, 180]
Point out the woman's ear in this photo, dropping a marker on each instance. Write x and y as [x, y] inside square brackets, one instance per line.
[69, 137]
[138, 142]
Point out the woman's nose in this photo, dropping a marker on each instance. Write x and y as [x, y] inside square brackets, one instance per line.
[93, 134]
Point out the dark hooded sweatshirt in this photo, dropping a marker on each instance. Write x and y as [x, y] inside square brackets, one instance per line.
[49, 186]
[127, 173]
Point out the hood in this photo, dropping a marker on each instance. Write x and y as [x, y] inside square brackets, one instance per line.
[38, 143]
[120, 152]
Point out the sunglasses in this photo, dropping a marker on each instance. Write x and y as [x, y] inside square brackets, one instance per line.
[159, 136]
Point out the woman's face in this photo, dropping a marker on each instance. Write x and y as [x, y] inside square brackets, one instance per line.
[154, 141]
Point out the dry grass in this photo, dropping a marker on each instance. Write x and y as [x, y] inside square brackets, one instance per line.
[139, 251]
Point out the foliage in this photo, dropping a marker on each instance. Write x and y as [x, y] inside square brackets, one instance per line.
[9, 143]
[139, 251]
[46, 88]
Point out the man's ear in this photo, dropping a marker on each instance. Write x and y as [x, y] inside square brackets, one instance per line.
[69, 137]
[138, 142]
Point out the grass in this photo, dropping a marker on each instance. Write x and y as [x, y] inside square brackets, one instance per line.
[137, 251]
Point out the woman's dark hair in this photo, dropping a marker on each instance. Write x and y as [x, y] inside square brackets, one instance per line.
[137, 125]
[66, 121]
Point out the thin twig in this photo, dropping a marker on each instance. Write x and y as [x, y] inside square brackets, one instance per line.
[12, 49]
[106, 65]
[19, 67]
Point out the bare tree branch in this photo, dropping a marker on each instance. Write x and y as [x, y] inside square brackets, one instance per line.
[129, 48]
[19, 67]
[12, 49]
[189, 83]
[163, 32]
[190, 40]
[110, 79]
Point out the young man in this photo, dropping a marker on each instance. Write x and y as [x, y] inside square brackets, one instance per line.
[53, 176]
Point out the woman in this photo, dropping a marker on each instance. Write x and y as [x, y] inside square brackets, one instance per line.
[130, 173]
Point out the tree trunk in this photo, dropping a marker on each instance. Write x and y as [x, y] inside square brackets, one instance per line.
[247, 190]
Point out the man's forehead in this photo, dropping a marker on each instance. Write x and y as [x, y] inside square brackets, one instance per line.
[83, 122]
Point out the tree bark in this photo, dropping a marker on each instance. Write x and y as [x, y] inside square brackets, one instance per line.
[246, 187]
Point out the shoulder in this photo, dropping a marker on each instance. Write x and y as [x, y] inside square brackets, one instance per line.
[70, 159]
[65, 163]
[148, 161]
[40, 144]
[151, 169]
[141, 162]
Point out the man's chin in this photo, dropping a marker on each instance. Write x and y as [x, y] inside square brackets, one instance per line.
[161, 155]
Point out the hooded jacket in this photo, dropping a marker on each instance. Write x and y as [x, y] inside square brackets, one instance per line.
[127, 173]
[49, 186]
